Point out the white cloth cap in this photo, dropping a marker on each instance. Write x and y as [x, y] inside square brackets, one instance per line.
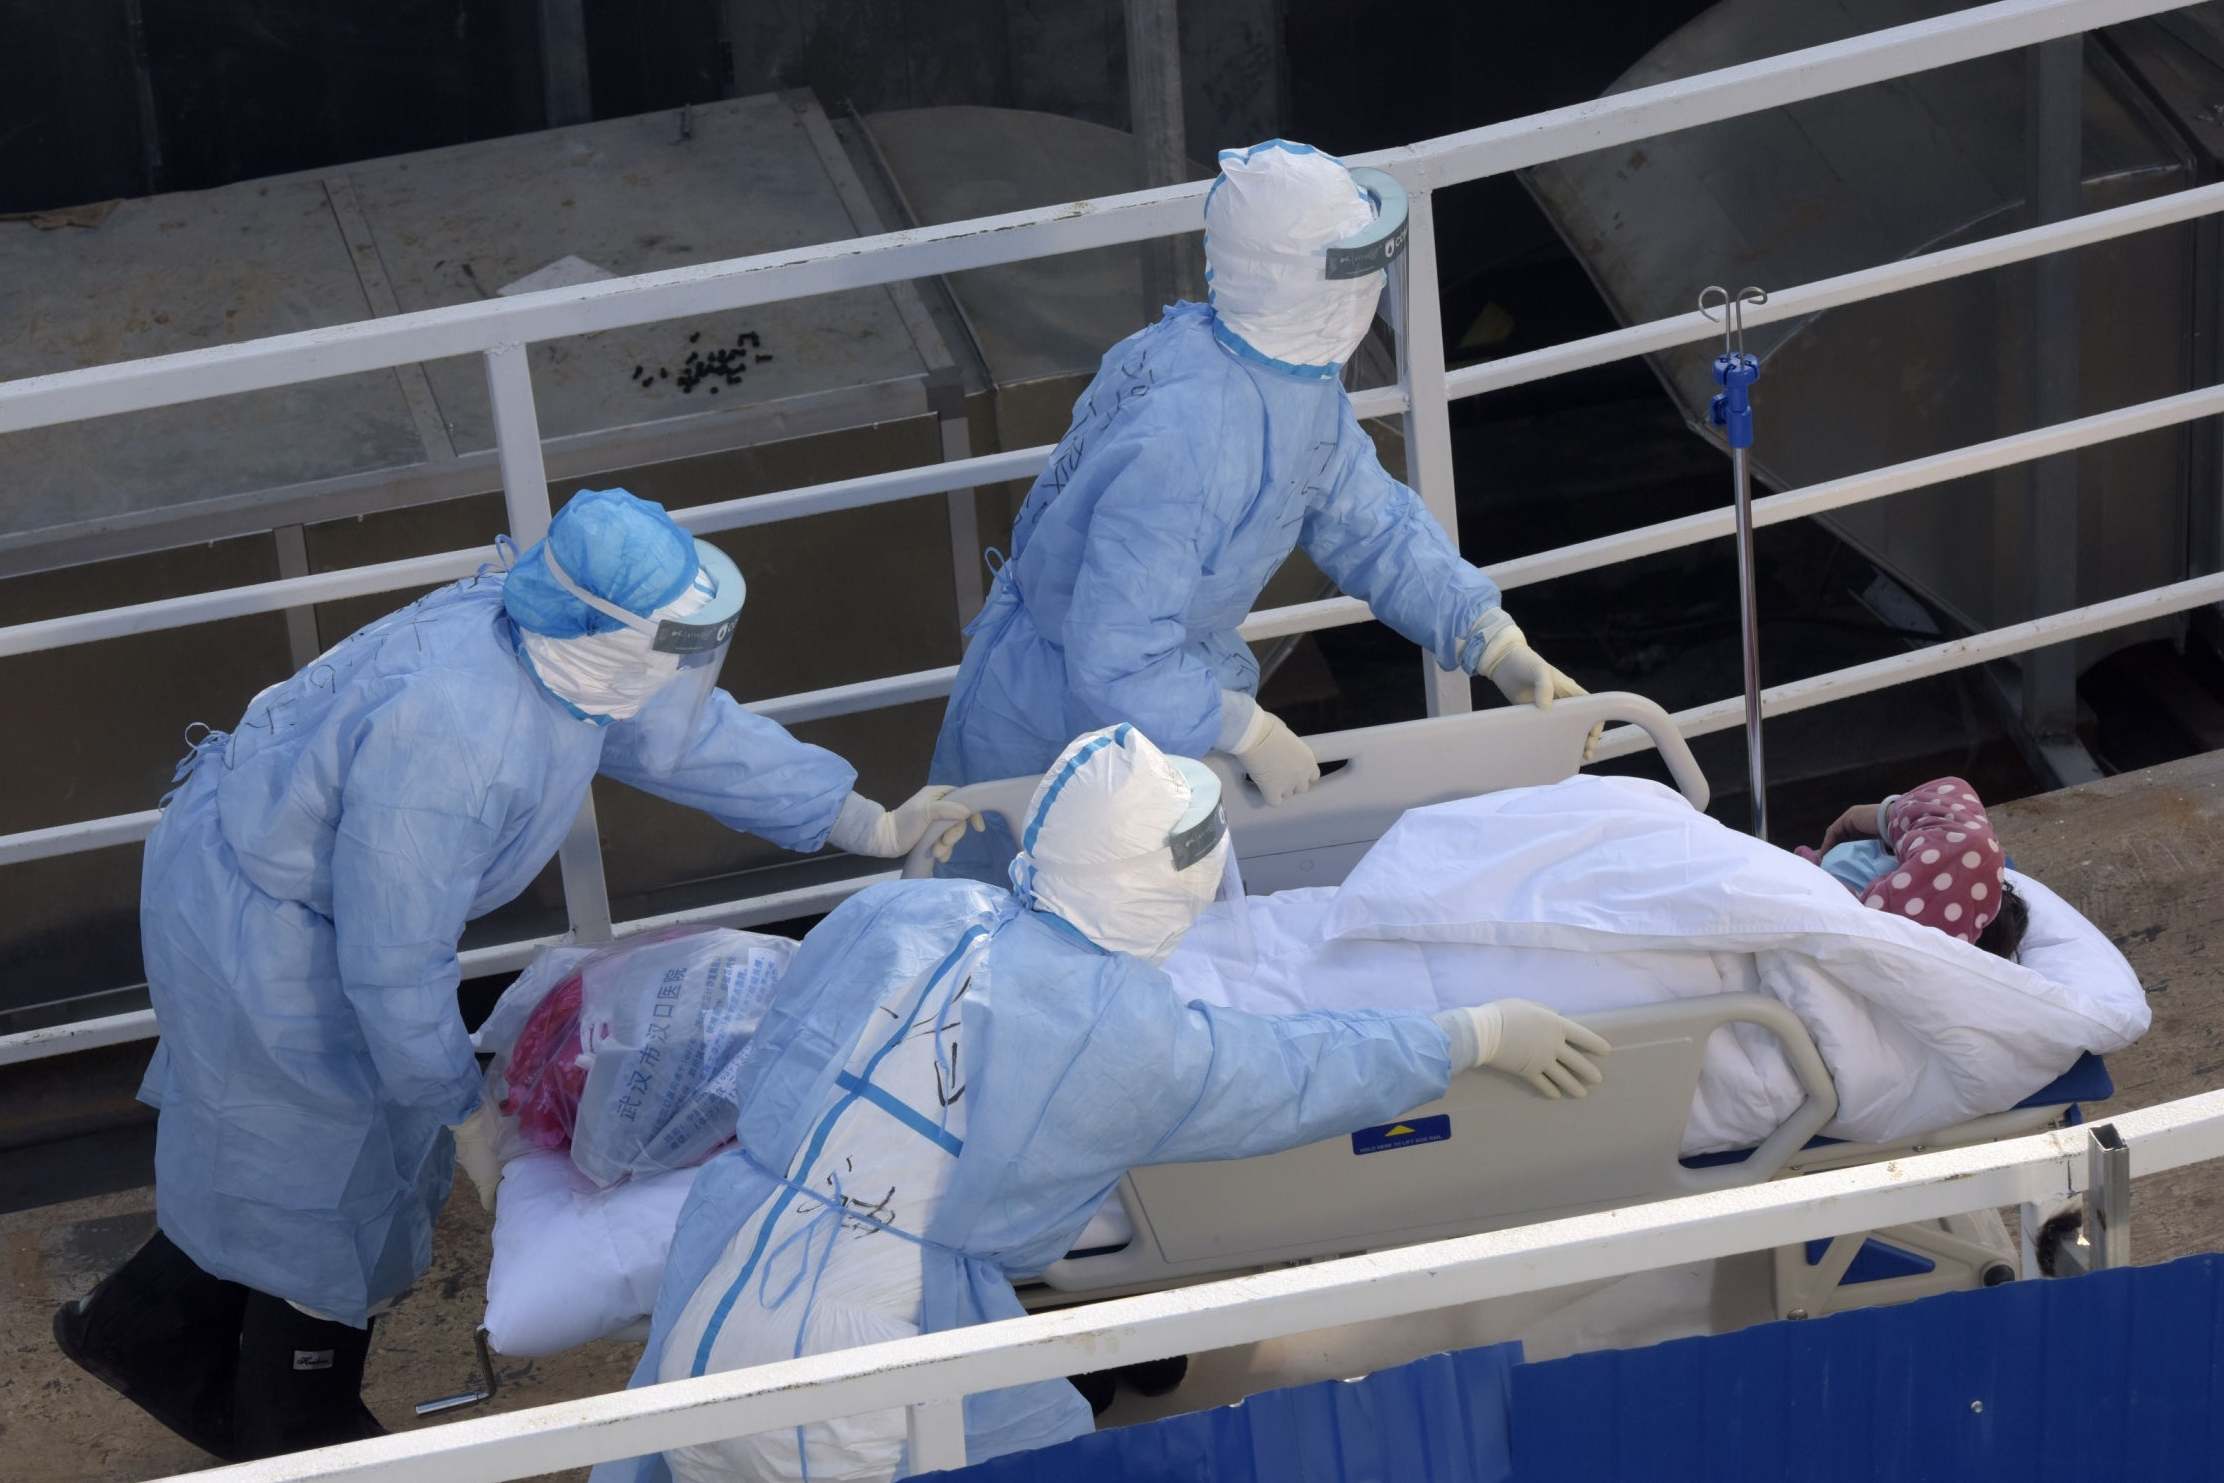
[1269, 222]
[610, 675]
[1094, 849]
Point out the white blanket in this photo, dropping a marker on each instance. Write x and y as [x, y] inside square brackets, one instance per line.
[573, 1263]
[1590, 894]
[1598, 893]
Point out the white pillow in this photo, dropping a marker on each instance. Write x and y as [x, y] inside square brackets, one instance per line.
[573, 1263]
[2063, 947]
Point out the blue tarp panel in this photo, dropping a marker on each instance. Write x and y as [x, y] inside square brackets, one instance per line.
[1438, 1420]
[2112, 1376]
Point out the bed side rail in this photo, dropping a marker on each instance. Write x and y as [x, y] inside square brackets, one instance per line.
[1490, 1153]
[1381, 771]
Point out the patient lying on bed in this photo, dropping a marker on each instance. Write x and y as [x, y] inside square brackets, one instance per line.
[1605, 893]
[1929, 854]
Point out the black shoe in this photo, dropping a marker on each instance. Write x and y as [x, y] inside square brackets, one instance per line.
[300, 1381]
[164, 1335]
[1155, 1377]
[1097, 1389]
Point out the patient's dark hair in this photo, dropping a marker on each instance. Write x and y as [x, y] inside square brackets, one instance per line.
[2004, 933]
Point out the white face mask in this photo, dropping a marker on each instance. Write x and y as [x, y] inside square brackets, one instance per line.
[1144, 906]
[1160, 912]
[1269, 223]
[610, 675]
[1320, 325]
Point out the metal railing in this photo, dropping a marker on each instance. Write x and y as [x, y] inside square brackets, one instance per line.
[496, 330]
[930, 1375]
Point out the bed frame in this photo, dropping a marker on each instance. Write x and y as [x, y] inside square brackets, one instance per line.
[1491, 1153]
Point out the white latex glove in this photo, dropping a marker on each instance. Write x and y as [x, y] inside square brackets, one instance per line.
[865, 828]
[1502, 656]
[475, 1153]
[1549, 1051]
[1276, 757]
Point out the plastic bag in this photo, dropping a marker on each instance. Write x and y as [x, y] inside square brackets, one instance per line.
[664, 1023]
[526, 1035]
[629, 1054]
[498, 1034]
[547, 1069]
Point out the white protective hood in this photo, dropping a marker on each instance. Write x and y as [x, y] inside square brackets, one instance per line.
[1269, 222]
[1094, 849]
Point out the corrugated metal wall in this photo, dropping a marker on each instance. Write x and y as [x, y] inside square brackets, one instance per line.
[2113, 1376]
[2089, 1380]
[1437, 1420]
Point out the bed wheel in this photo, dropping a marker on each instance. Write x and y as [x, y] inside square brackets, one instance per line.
[2063, 1230]
[1153, 1377]
[1099, 1389]
[1157, 1377]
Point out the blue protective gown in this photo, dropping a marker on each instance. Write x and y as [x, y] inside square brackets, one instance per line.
[1192, 468]
[945, 1088]
[300, 906]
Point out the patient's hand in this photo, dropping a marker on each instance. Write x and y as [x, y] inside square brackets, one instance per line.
[1858, 822]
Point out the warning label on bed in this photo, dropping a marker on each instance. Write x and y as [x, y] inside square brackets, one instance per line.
[1411, 1133]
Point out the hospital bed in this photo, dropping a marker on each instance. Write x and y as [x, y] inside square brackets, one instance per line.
[1492, 1154]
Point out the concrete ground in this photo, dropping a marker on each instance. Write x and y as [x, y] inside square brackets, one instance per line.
[59, 1425]
[2141, 854]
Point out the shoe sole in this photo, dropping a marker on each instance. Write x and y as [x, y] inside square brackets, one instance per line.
[65, 1341]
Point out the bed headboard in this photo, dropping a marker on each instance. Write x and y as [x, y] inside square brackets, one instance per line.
[1318, 836]
[1314, 839]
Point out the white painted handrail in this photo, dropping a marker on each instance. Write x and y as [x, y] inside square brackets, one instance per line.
[1621, 741]
[944, 478]
[942, 1367]
[927, 1374]
[1522, 571]
[1107, 221]
[1752, 87]
[1847, 288]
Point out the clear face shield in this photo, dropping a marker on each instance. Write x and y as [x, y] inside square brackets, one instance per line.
[688, 647]
[1378, 247]
[1206, 871]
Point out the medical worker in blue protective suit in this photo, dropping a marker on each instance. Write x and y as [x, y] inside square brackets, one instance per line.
[302, 898]
[1208, 446]
[951, 1078]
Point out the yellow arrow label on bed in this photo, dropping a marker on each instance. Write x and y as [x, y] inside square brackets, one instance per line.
[1414, 1132]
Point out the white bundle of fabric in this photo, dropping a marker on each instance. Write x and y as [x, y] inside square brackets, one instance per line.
[1602, 893]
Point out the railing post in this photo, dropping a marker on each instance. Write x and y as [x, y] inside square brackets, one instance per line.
[2107, 1229]
[517, 444]
[1428, 420]
[566, 94]
[934, 1436]
[1171, 269]
[301, 623]
[946, 400]
[2054, 115]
